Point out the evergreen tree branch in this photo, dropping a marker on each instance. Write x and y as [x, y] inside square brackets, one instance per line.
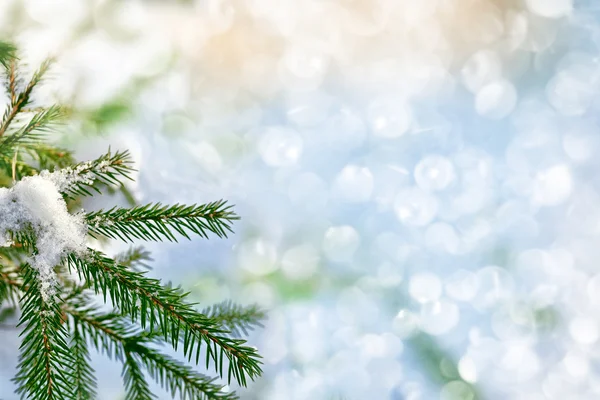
[11, 78]
[165, 308]
[7, 53]
[135, 383]
[20, 101]
[135, 257]
[50, 157]
[236, 318]
[155, 221]
[43, 371]
[105, 170]
[83, 373]
[31, 132]
[10, 283]
[177, 377]
[111, 333]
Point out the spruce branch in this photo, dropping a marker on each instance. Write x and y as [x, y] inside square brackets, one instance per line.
[158, 307]
[43, 241]
[10, 285]
[50, 157]
[111, 333]
[135, 383]
[7, 53]
[155, 221]
[177, 377]
[105, 170]
[31, 132]
[81, 370]
[135, 257]
[22, 99]
[43, 371]
[236, 318]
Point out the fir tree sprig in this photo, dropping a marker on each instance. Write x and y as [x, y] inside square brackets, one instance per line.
[20, 100]
[112, 334]
[59, 320]
[7, 53]
[32, 132]
[107, 170]
[82, 372]
[10, 282]
[43, 371]
[136, 258]
[159, 307]
[155, 221]
[236, 318]
[135, 383]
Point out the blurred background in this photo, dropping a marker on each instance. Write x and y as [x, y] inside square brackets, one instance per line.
[417, 180]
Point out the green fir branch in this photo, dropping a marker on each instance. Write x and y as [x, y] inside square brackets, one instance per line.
[105, 170]
[32, 132]
[176, 377]
[49, 157]
[54, 361]
[156, 221]
[136, 385]
[81, 370]
[21, 100]
[236, 318]
[163, 308]
[43, 371]
[112, 334]
[10, 282]
[7, 53]
[136, 258]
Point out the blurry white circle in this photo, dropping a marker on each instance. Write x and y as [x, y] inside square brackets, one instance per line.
[442, 237]
[552, 186]
[577, 365]
[415, 207]
[354, 184]
[258, 256]
[481, 68]
[307, 108]
[439, 317]
[345, 130]
[308, 191]
[300, 262]
[302, 68]
[340, 243]
[550, 8]
[405, 324]
[206, 155]
[495, 285]
[280, 147]
[584, 330]
[571, 91]
[462, 285]
[467, 369]
[520, 362]
[496, 100]
[434, 173]
[580, 146]
[389, 118]
[425, 287]
[260, 293]
[457, 390]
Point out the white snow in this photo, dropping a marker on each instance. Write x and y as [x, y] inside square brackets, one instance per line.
[35, 202]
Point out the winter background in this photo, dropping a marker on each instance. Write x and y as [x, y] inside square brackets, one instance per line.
[417, 180]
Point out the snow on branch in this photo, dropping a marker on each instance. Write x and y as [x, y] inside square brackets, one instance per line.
[34, 204]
